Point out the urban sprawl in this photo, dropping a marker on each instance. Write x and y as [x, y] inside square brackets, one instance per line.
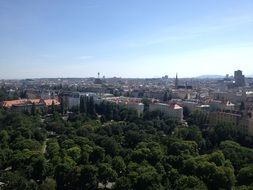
[221, 100]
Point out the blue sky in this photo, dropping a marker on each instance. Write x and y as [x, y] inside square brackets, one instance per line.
[127, 38]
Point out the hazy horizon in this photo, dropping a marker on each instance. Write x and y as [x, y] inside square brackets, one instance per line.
[149, 77]
[128, 39]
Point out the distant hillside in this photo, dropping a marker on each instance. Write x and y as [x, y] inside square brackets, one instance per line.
[210, 77]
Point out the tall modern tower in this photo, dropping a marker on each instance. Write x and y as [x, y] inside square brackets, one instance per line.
[239, 78]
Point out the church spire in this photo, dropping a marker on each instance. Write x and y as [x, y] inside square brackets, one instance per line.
[176, 81]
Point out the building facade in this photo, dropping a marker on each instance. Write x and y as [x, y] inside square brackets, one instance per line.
[239, 78]
[171, 110]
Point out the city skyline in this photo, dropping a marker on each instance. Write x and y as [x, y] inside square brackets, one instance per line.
[144, 39]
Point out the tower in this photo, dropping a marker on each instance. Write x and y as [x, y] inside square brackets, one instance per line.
[176, 82]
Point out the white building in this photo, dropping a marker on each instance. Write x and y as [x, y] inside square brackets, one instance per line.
[129, 103]
[136, 106]
[74, 98]
[221, 105]
[190, 105]
[173, 110]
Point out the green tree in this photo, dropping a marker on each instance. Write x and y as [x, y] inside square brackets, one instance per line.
[5, 157]
[14, 180]
[110, 145]
[33, 109]
[183, 147]
[83, 104]
[38, 164]
[3, 95]
[106, 174]
[48, 184]
[199, 118]
[74, 153]
[97, 155]
[4, 138]
[62, 176]
[53, 108]
[132, 138]
[88, 178]
[214, 176]
[245, 176]
[191, 133]
[123, 183]
[52, 149]
[146, 103]
[238, 155]
[144, 177]
[91, 106]
[189, 182]
[225, 131]
[119, 165]
[63, 105]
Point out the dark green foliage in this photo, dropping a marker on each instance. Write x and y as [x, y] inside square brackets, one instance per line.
[144, 176]
[106, 173]
[189, 182]
[119, 165]
[97, 155]
[198, 118]
[110, 145]
[62, 176]
[245, 176]
[183, 147]
[238, 155]
[3, 94]
[88, 177]
[14, 180]
[63, 105]
[123, 183]
[48, 184]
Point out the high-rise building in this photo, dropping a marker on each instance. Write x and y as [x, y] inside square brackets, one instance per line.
[239, 78]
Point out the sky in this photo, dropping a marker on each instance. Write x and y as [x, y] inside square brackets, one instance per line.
[125, 38]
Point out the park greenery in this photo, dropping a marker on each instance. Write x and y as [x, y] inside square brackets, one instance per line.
[109, 146]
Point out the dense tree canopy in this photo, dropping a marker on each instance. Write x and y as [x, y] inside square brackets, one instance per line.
[110, 146]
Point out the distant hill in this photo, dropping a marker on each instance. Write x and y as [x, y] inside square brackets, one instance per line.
[210, 77]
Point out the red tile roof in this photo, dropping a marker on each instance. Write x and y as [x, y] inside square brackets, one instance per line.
[10, 103]
[49, 102]
[35, 101]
